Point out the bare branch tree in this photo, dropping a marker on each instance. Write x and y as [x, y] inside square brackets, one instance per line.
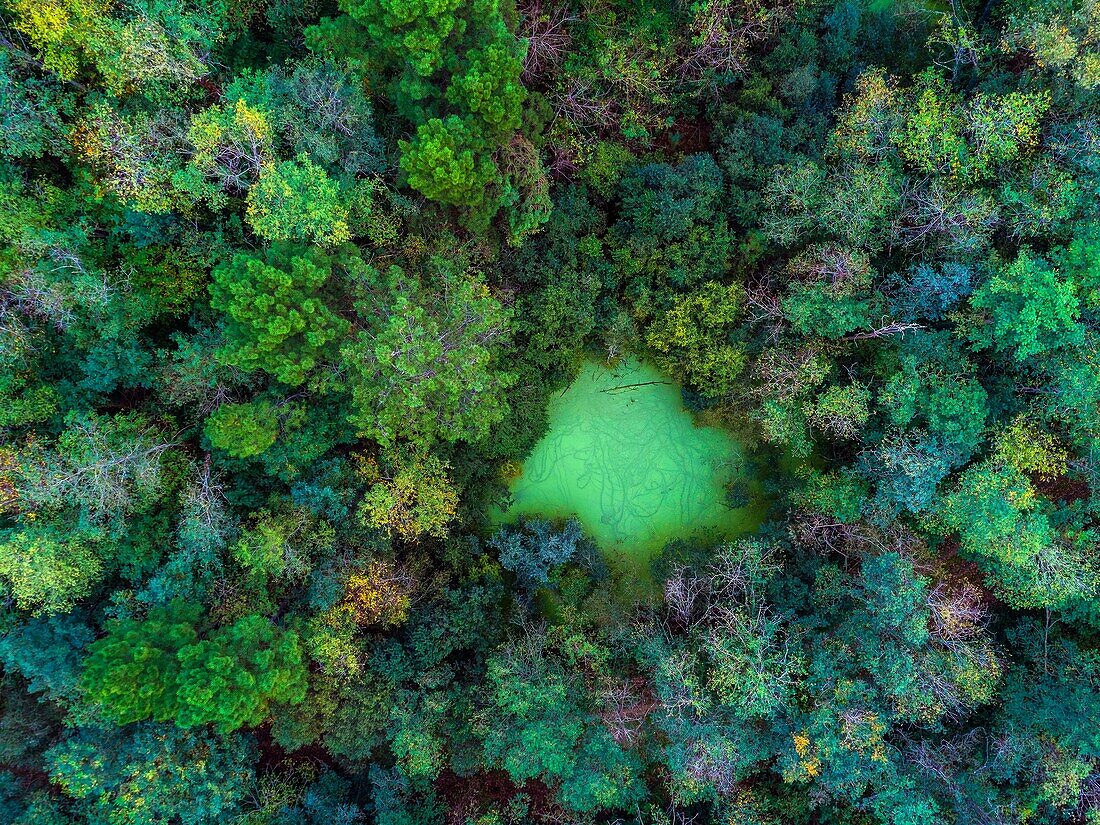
[546, 27]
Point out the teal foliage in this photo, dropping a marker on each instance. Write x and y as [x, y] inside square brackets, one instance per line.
[535, 548]
[147, 773]
[671, 232]
[48, 652]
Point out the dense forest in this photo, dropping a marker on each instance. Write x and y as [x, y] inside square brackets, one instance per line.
[286, 291]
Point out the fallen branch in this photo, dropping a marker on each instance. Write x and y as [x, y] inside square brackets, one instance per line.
[892, 328]
[634, 386]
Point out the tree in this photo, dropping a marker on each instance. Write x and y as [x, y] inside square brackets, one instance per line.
[48, 572]
[853, 204]
[840, 412]
[279, 321]
[133, 157]
[277, 542]
[243, 430]
[230, 147]
[927, 292]
[425, 365]
[535, 548]
[133, 672]
[316, 109]
[446, 161]
[1060, 37]
[233, 677]
[160, 668]
[32, 112]
[297, 201]
[907, 468]
[1028, 309]
[455, 70]
[378, 594]
[693, 338]
[414, 34]
[671, 232]
[535, 727]
[48, 653]
[783, 380]
[935, 388]
[489, 87]
[106, 466]
[416, 500]
[150, 774]
[1004, 523]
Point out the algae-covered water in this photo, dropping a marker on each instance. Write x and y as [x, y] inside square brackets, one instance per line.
[626, 459]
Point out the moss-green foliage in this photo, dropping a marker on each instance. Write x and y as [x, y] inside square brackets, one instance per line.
[160, 668]
[133, 671]
[426, 367]
[243, 430]
[296, 201]
[46, 572]
[232, 677]
[446, 161]
[690, 338]
[489, 88]
[278, 320]
[454, 69]
[1029, 309]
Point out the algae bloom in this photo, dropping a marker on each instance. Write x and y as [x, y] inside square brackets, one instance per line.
[625, 458]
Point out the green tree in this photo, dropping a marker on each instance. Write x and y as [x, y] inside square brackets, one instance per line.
[154, 49]
[1006, 525]
[48, 572]
[231, 144]
[447, 161]
[233, 677]
[416, 500]
[693, 338]
[150, 774]
[160, 668]
[297, 201]
[936, 389]
[489, 88]
[414, 33]
[277, 542]
[132, 156]
[671, 232]
[535, 727]
[108, 467]
[279, 321]
[32, 110]
[1029, 309]
[243, 430]
[133, 672]
[48, 653]
[317, 109]
[454, 69]
[426, 365]
[1060, 37]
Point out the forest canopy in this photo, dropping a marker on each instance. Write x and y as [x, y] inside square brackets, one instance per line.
[287, 289]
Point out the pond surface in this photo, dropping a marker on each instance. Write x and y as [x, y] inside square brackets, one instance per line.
[626, 459]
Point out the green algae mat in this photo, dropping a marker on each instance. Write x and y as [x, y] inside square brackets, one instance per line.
[626, 459]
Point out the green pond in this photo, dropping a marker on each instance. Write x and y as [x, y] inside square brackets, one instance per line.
[627, 460]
